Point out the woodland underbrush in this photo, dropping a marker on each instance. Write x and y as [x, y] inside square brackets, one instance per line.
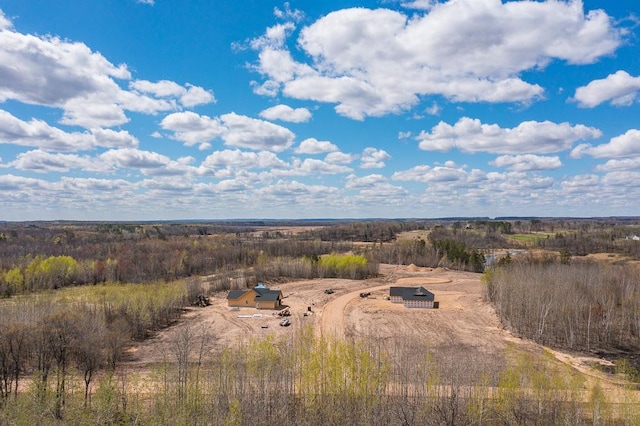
[581, 306]
[309, 380]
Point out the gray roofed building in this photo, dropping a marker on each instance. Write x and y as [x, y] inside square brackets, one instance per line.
[413, 297]
[260, 297]
[234, 294]
[267, 294]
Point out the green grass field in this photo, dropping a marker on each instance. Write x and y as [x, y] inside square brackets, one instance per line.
[529, 238]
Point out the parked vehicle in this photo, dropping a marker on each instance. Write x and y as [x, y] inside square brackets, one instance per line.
[285, 323]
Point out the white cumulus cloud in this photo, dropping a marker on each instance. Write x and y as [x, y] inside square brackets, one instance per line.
[373, 158]
[375, 62]
[196, 95]
[5, 23]
[162, 88]
[148, 162]
[39, 134]
[315, 167]
[369, 181]
[471, 135]
[20, 183]
[617, 165]
[623, 179]
[419, 4]
[339, 158]
[295, 189]
[50, 71]
[234, 129]
[45, 162]
[243, 159]
[247, 132]
[288, 13]
[626, 145]
[620, 89]
[192, 128]
[527, 162]
[425, 173]
[286, 113]
[314, 146]
[134, 158]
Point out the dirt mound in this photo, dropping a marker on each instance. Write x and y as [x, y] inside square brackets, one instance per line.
[413, 268]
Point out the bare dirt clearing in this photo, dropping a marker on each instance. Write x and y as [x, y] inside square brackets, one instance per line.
[464, 317]
[465, 320]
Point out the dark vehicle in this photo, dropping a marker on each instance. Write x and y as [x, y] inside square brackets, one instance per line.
[329, 291]
[285, 312]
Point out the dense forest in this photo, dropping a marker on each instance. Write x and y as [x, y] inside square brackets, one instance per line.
[77, 294]
[580, 306]
[41, 256]
[36, 256]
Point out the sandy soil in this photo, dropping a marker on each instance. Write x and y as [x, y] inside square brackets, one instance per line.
[465, 319]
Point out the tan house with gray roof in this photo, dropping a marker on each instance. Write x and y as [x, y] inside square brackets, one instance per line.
[259, 297]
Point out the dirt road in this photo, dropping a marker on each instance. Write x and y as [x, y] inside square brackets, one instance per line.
[332, 316]
[465, 321]
[333, 319]
[463, 316]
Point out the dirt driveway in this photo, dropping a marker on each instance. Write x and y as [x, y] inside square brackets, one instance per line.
[463, 317]
[465, 321]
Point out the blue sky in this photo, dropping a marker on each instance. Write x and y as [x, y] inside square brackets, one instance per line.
[185, 109]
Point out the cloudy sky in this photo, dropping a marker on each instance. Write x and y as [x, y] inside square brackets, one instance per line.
[198, 109]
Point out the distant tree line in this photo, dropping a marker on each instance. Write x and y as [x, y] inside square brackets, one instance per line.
[347, 266]
[373, 231]
[581, 243]
[53, 258]
[442, 249]
[35, 256]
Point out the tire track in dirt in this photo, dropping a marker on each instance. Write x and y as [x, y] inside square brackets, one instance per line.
[237, 322]
[465, 317]
[333, 316]
[332, 321]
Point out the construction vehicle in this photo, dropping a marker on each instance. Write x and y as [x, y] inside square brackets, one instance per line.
[365, 294]
[285, 312]
[201, 300]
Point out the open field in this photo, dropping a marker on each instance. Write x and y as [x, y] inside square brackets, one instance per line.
[465, 320]
[529, 238]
